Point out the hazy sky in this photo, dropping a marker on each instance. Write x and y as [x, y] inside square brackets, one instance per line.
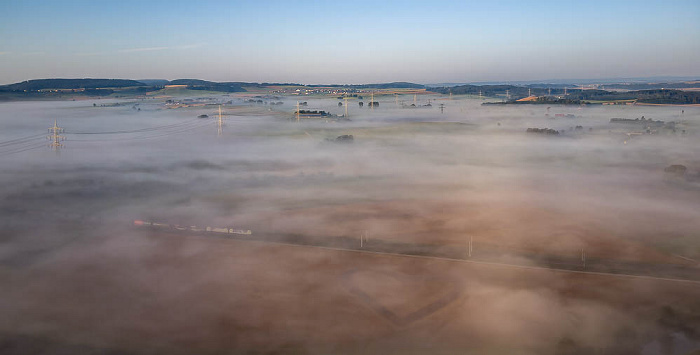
[348, 41]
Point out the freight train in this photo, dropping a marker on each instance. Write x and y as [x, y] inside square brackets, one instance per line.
[196, 229]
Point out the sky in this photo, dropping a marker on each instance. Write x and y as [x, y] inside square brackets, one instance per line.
[314, 42]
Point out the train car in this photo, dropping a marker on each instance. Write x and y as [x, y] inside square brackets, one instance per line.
[196, 229]
[217, 230]
[139, 222]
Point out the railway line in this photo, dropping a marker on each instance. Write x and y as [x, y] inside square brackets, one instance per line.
[482, 255]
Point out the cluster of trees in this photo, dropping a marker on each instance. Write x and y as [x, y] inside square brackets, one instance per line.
[646, 96]
[261, 102]
[601, 95]
[556, 101]
[313, 112]
[637, 120]
[668, 97]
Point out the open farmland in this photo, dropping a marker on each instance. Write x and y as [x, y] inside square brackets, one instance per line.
[76, 275]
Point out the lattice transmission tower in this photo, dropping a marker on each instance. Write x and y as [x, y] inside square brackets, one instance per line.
[55, 137]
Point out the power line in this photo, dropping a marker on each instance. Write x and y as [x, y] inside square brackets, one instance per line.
[23, 144]
[148, 129]
[20, 140]
[23, 149]
[176, 130]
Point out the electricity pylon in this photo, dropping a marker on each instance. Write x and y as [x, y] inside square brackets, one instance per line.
[470, 247]
[55, 138]
[221, 123]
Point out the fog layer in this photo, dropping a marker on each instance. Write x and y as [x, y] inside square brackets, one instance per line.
[77, 277]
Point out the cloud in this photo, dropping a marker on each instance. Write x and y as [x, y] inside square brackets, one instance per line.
[152, 49]
[23, 53]
[137, 50]
[147, 49]
[91, 53]
[191, 46]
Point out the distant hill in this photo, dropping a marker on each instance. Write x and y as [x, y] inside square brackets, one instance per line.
[440, 85]
[573, 96]
[649, 86]
[43, 84]
[41, 88]
[515, 92]
[575, 82]
[657, 96]
[196, 84]
[154, 82]
[190, 82]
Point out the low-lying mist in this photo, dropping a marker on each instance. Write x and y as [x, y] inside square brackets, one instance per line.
[77, 277]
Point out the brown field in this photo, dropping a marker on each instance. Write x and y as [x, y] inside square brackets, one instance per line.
[178, 294]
